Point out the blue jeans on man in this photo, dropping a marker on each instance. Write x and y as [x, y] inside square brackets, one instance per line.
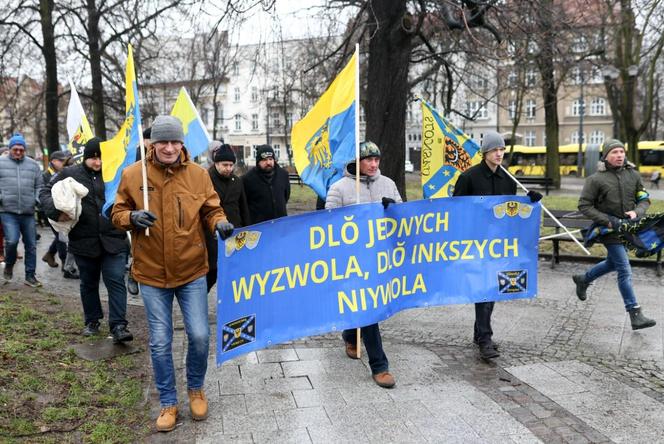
[111, 267]
[158, 303]
[616, 260]
[374, 345]
[17, 225]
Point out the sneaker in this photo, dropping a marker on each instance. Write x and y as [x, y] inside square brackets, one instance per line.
[32, 281]
[91, 329]
[384, 379]
[487, 351]
[198, 404]
[70, 274]
[167, 419]
[49, 258]
[121, 334]
[9, 272]
[581, 286]
[132, 286]
[351, 351]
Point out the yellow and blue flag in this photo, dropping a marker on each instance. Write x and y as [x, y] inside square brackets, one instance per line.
[196, 136]
[446, 153]
[78, 127]
[120, 151]
[324, 140]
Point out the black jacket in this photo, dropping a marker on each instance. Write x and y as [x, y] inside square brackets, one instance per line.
[232, 197]
[479, 180]
[93, 234]
[267, 197]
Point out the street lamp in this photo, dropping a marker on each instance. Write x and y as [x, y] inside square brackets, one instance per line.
[582, 111]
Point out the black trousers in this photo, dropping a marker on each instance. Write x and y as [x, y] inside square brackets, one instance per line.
[374, 345]
[483, 331]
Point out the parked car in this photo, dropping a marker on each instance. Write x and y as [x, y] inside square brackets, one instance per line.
[408, 167]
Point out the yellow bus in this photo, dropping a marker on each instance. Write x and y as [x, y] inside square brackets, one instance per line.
[651, 156]
[531, 160]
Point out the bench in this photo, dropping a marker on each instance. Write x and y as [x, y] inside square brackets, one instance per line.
[541, 181]
[574, 220]
[295, 178]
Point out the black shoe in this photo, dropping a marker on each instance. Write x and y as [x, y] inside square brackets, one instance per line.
[32, 281]
[91, 329]
[638, 320]
[132, 286]
[121, 334]
[70, 275]
[487, 351]
[49, 258]
[581, 286]
[493, 344]
[9, 272]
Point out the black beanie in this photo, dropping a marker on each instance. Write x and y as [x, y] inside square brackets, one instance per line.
[264, 152]
[224, 154]
[92, 148]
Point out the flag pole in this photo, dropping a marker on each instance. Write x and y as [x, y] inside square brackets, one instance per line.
[141, 146]
[547, 212]
[358, 334]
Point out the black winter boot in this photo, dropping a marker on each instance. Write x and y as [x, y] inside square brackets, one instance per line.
[638, 320]
[581, 286]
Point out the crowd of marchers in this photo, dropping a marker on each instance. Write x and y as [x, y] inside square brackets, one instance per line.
[168, 240]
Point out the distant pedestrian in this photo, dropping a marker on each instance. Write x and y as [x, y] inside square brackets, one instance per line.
[100, 249]
[488, 179]
[231, 196]
[171, 262]
[654, 178]
[56, 162]
[20, 184]
[610, 196]
[267, 187]
[374, 188]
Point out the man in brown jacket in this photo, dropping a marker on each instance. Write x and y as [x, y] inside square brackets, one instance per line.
[171, 260]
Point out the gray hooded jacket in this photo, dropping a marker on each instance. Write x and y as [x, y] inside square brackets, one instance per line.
[372, 189]
[20, 183]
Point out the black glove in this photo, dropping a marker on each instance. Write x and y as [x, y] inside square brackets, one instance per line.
[386, 201]
[142, 218]
[616, 223]
[225, 229]
[534, 196]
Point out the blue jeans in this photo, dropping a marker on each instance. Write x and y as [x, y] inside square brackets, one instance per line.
[158, 303]
[14, 226]
[616, 260]
[112, 268]
[374, 345]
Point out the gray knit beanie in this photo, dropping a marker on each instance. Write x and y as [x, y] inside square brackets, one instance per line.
[610, 145]
[491, 141]
[166, 128]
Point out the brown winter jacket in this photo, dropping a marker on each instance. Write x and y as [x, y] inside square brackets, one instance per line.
[183, 199]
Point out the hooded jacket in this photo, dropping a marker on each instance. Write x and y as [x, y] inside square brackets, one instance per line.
[267, 198]
[232, 197]
[185, 203]
[372, 189]
[20, 184]
[613, 192]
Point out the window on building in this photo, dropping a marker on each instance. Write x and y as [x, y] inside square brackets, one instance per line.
[574, 138]
[236, 69]
[598, 106]
[531, 108]
[254, 94]
[276, 121]
[480, 83]
[277, 150]
[597, 137]
[596, 75]
[254, 122]
[512, 79]
[236, 94]
[220, 115]
[530, 138]
[531, 77]
[477, 109]
[238, 122]
[580, 44]
[512, 109]
[578, 107]
[289, 119]
[205, 116]
[576, 76]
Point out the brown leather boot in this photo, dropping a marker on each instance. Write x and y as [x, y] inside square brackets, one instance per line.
[167, 419]
[198, 404]
[351, 351]
[384, 379]
[50, 260]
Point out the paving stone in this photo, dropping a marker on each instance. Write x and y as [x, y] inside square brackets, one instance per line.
[302, 368]
[301, 417]
[318, 397]
[268, 402]
[338, 434]
[214, 438]
[296, 436]
[237, 423]
[276, 355]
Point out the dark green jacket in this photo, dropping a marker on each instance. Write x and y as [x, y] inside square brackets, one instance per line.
[613, 192]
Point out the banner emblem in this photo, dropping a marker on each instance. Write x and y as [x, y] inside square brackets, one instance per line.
[239, 332]
[512, 209]
[237, 242]
[513, 281]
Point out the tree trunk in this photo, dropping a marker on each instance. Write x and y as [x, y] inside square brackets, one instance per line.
[387, 88]
[50, 61]
[99, 114]
[550, 96]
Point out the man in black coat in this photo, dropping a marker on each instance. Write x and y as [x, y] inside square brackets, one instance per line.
[231, 194]
[267, 187]
[99, 248]
[487, 179]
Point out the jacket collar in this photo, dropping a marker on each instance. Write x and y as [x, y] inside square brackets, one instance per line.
[601, 166]
[351, 168]
[152, 158]
[486, 171]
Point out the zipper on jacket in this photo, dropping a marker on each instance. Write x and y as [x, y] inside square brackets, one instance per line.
[180, 215]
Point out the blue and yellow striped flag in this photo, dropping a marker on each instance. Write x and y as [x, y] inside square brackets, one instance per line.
[196, 136]
[120, 151]
[446, 153]
[324, 140]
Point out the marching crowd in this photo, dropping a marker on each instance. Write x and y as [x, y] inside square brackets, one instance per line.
[172, 247]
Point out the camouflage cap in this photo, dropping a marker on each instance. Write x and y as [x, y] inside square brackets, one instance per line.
[369, 149]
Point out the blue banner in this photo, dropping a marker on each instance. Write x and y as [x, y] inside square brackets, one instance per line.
[353, 266]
